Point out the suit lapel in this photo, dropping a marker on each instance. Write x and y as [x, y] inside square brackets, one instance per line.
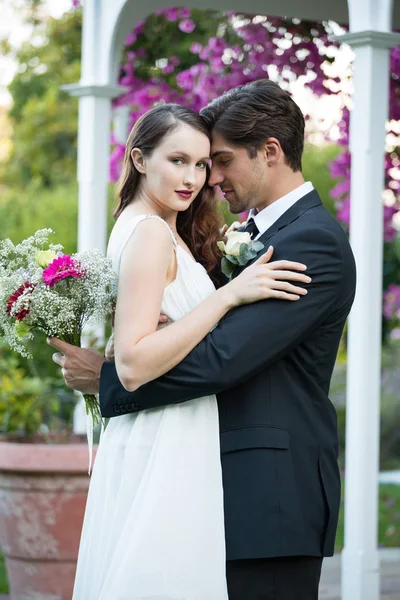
[294, 212]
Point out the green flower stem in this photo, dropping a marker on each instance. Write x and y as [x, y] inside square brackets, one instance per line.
[92, 407]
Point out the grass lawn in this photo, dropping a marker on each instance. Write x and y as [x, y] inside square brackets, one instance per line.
[389, 525]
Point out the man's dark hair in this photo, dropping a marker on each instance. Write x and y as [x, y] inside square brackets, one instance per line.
[249, 114]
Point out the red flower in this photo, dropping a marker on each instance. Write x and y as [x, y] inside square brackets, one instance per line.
[61, 268]
[24, 288]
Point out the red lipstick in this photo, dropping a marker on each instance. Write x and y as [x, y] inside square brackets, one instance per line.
[184, 194]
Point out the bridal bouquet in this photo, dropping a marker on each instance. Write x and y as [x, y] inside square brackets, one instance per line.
[41, 288]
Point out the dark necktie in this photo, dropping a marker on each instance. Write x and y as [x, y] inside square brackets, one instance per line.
[251, 228]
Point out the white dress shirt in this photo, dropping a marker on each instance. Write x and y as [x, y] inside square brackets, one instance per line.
[267, 217]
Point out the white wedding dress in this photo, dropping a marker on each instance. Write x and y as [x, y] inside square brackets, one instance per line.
[154, 524]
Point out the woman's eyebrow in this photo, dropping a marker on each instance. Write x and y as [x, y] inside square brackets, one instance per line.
[184, 155]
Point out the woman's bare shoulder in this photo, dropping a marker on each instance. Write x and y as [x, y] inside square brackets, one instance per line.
[149, 231]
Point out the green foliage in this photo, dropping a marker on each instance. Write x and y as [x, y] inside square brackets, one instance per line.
[32, 396]
[44, 118]
[38, 393]
[389, 451]
[48, 60]
[389, 518]
[3, 576]
[228, 217]
[25, 210]
[315, 169]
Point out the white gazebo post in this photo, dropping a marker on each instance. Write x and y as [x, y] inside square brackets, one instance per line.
[121, 123]
[360, 560]
[93, 159]
[95, 96]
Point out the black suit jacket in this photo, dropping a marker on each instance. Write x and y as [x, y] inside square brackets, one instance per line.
[270, 364]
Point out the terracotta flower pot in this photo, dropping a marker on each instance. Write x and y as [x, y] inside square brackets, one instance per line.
[43, 491]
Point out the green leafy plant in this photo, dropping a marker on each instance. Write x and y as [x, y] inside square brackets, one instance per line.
[388, 518]
[32, 406]
[3, 576]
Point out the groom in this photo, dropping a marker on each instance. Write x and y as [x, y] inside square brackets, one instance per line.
[270, 363]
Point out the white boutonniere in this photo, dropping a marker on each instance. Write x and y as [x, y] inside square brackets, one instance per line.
[237, 251]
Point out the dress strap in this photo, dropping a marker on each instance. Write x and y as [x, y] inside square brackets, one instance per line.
[126, 233]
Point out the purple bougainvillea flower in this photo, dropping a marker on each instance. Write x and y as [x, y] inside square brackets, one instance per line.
[187, 25]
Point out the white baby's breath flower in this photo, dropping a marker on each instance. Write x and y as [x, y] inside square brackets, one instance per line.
[60, 311]
[82, 289]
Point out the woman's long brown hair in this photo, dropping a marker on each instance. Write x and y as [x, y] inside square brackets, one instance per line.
[199, 225]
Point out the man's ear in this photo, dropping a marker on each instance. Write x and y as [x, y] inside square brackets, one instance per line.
[138, 160]
[273, 151]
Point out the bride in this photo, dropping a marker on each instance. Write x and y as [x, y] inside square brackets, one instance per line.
[154, 523]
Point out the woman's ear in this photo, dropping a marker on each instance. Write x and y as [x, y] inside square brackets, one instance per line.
[272, 150]
[138, 160]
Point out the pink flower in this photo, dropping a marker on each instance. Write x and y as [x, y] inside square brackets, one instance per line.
[216, 44]
[187, 25]
[195, 48]
[341, 189]
[343, 213]
[168, 69]
[185, 80]
[171, 14]
[116, 159]
[395, 333]
[60, 268]
[184, 13]
[141, 53]
[391, 301]
[390, 233]
[131, 39]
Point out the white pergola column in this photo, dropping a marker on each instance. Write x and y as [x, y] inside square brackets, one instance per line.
[121, 123]
[95, 90]
[360, 560]
[93, 158]
[93, 169]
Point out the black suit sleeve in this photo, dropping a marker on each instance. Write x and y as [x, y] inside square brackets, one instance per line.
[248, 339]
